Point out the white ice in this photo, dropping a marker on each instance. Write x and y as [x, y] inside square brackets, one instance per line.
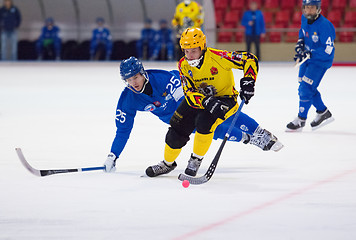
[62, 116]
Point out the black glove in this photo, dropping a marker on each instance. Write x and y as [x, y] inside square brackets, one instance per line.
[247, 88]
[299, 47]
[207, 90]
[302, 55]
[216, 107]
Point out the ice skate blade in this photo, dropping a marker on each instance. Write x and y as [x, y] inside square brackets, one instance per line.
[277, 146]
[294, 130]
[325, 122]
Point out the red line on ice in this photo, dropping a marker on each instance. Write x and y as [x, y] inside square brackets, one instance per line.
[265, 205]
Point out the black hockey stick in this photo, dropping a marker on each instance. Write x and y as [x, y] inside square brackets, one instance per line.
[43, 173]
[209, 173]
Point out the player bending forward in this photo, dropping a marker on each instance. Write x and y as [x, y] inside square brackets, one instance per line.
[160, 92]
[210, 100]
[316, 41]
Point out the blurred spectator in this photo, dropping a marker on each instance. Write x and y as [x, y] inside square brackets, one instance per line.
[164, 43]
[254, 24]
[101, 41]
[49, 44]
[146, 44]
[188, 14]
[10, 20]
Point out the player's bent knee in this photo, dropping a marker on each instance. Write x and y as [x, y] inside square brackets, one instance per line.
[176, 140]
[305, 93]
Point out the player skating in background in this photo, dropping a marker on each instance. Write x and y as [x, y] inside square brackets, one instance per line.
[316, 41]
[160, 92]
[210, 100]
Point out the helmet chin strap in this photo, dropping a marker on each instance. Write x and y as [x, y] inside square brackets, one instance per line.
[195, 62]
[143, 87]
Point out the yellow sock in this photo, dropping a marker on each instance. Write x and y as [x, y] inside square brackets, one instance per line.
[202, 143]
[171, 154]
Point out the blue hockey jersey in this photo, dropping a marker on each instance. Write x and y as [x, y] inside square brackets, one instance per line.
[166, 96]
[101, 36]
[319, 39]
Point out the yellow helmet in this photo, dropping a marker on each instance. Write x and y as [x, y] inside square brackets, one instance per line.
[192, 38]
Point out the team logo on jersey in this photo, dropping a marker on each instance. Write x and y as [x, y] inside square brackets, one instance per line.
[315, 37]
[236, 56]
[157, 103]
[150, 107]
[164, 94]
[190, 73]
[214, 70]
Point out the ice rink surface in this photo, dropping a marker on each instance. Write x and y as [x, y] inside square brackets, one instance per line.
[62, 116]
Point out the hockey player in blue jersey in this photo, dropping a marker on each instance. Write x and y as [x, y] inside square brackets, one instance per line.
[146, 44]
[160, 92]
[163, 43]
[316, 44]
[101, 41]
[49, 43]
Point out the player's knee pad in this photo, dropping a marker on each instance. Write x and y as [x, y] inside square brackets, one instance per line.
[176, 140]
[305, 91]
[204, 127]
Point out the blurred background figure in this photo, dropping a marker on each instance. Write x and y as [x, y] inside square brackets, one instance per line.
[254, 24]
[101, 42]
[10, 20]
[164, 46]
[188, 14]
[146, 44]
[49, 44]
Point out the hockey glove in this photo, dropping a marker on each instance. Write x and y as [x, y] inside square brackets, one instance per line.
[207, 90]
[247, 88]
[110, 163]
[302, 55]
[216, 107]
[299, 47]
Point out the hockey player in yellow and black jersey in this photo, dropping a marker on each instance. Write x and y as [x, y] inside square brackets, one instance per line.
[210, 99]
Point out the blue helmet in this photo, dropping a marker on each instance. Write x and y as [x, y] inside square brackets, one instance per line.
[100, 20]
[312, 2]
[316, 3]
[49, 20]
[129, 68]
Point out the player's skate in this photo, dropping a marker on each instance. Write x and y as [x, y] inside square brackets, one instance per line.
[296, 125]
[193, 166]
[321, 119]
[264, 140]
[160, 168]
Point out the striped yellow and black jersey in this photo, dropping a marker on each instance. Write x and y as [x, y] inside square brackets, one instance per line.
[215, 69]
[192, 12]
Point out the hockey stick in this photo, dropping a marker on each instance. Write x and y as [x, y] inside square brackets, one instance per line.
[43, 173]
[209, 173]
[297, 64]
